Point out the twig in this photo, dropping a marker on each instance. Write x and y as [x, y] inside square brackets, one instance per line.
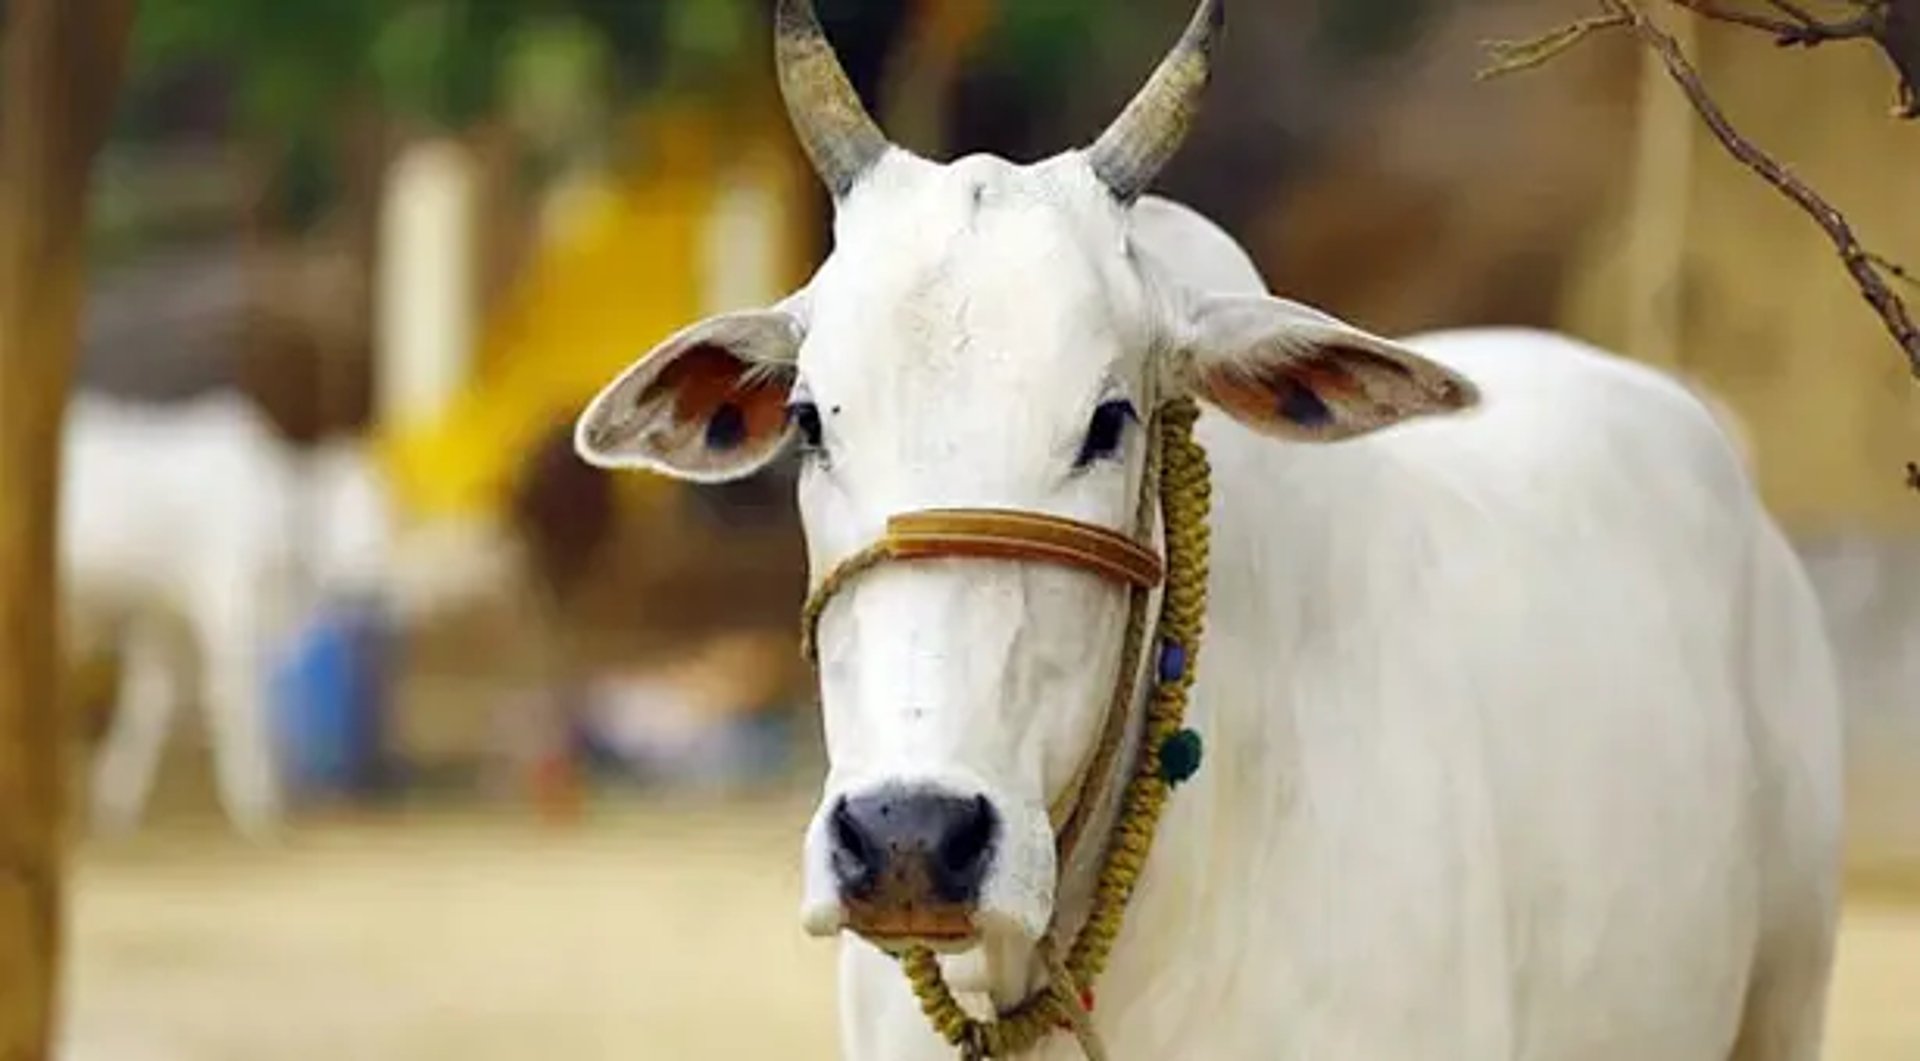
[1900, 22]
[1811, 31]
[1803, 30]
[1794, 11]
[1900, 39]
[1783, 31]
[1508, 57]
[1893, 268]
[1892, 25]
[1859, 263]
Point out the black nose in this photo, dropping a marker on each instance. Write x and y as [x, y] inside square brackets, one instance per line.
[911, 846]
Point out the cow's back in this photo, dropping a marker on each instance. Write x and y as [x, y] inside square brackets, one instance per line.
[171, 501]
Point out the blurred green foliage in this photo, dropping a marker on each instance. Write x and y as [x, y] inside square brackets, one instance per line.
[295, 69]
[294, 62]
[1040, 44]
[289, 65]
[293, 72]
[1360, 30]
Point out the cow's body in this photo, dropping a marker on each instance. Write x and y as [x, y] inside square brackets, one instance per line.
[1521, 728]
[1522, 743]
[193, 538]
[177, 544]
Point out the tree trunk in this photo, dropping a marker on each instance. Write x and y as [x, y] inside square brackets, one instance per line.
[62, 66]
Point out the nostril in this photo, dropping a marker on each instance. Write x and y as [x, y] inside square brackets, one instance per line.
[961, 857]
[856, 859]
[902, 847]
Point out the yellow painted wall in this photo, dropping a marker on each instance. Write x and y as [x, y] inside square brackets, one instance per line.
[617, 272]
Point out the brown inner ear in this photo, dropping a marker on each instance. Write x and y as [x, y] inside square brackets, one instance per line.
[1334, 390]
[1327, 378]
[1352, 357]
[1300, 392]
[1392, 383]
[706, 379]
[1249, 396]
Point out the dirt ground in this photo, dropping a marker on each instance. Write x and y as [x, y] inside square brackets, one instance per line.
[666, 932]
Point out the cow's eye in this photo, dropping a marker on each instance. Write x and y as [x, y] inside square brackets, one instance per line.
[805, 418]
[1106, 431]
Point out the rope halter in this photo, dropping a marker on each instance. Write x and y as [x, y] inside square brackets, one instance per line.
[1177, 471]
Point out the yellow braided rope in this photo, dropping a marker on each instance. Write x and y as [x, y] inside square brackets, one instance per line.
[1185, 497]
[849, 569]
[1080, 1020]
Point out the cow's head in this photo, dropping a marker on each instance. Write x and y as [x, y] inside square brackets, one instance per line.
[983, 335]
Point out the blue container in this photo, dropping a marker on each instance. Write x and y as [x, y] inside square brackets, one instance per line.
[329, 696]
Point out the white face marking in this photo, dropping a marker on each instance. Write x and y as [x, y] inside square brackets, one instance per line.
[958, 360]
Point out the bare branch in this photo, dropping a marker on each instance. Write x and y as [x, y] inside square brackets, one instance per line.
[1793, 11]
[1896, 17]
[1508, 57]
[1799, 28]
[1814, 30]
[1900, 39]
[1892, 25]
[1808, 34]
[1710, 9]
[1859, 264]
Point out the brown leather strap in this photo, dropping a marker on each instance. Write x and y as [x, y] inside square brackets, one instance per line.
[1002, 534]
[997, 534]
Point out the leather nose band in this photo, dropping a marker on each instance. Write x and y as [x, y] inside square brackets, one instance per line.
[994, 534]
[1011, 535]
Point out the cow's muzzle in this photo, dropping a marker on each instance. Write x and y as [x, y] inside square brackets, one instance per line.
[909, 863]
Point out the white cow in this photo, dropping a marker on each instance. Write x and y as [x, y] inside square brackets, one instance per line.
[1522, 732]
[177, 547]
[194, 538]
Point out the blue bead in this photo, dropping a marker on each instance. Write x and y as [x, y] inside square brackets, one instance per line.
[1173, 661]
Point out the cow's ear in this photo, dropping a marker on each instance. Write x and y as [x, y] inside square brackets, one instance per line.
[1290, 370]
[708, 405]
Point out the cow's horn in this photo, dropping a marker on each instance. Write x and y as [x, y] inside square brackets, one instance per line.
[1131, 153]
[834, 128]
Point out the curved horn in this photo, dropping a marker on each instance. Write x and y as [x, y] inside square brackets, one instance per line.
[1133, 150]
[832, 124]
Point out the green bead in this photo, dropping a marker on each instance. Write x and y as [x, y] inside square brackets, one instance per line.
[1180, 757]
